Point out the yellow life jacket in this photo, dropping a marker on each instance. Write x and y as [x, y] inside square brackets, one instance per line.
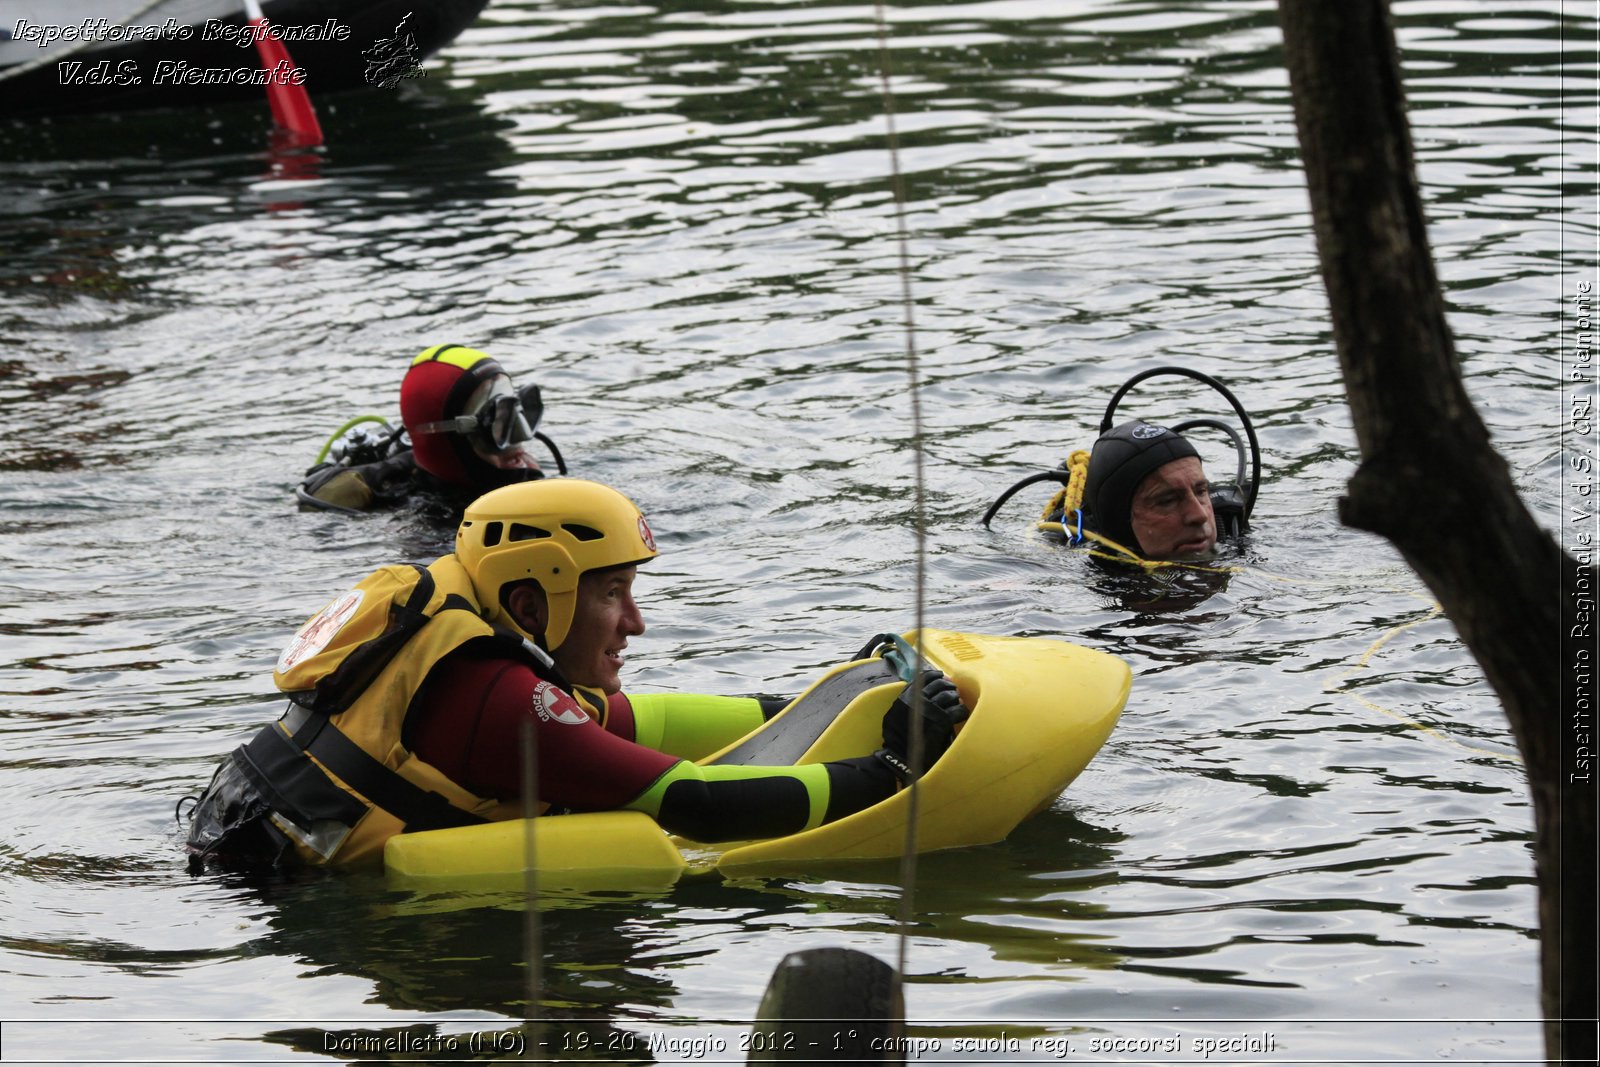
[334, 771]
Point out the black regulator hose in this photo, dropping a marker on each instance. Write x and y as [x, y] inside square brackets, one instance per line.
[1253, 486]
[1233, 435]
[1058, 474]
[561, 464]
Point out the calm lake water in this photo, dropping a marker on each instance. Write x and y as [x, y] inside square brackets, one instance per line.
[1310, 827]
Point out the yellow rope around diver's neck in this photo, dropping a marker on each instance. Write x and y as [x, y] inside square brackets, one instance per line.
[1069, 497]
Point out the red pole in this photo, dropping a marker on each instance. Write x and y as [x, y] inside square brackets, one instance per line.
[291, 104]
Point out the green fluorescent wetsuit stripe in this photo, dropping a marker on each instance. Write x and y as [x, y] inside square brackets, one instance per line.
[813, 776]
[692, 725]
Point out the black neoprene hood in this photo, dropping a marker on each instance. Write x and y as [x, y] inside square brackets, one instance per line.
[1122, 458]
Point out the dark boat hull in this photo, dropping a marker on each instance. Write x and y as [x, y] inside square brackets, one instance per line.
[175, 70]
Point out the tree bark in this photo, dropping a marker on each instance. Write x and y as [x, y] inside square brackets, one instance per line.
[1429, 479]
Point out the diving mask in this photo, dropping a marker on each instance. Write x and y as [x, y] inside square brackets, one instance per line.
[499, 415]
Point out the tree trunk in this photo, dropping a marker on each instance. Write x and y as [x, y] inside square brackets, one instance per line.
[1431, 482]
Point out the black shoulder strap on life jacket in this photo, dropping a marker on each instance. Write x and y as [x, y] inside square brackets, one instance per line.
[350, 679]
[301, 792]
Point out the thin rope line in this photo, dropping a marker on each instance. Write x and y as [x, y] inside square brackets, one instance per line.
[908, 856]
[532, 941]
[1336, 684]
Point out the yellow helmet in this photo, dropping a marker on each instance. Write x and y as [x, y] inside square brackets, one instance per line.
[552, 531]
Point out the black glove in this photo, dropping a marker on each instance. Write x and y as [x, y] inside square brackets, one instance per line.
[942, 711]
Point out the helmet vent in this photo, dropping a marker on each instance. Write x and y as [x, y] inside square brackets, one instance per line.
[523, 532]
[581, 532]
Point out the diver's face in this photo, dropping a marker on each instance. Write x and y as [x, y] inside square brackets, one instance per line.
[603, 619]
[501, 440]
[1172, 516]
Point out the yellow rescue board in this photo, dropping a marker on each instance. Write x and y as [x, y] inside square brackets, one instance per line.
[599, 849]
[1041, 709]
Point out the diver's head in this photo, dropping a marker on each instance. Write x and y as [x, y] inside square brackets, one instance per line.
[469, 427]
[1147, 490]
[555, 560]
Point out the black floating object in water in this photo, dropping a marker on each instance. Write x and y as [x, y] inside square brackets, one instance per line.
[830, 1005]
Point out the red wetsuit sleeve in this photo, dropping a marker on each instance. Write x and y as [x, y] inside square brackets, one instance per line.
[619, 717]
[467, 722]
